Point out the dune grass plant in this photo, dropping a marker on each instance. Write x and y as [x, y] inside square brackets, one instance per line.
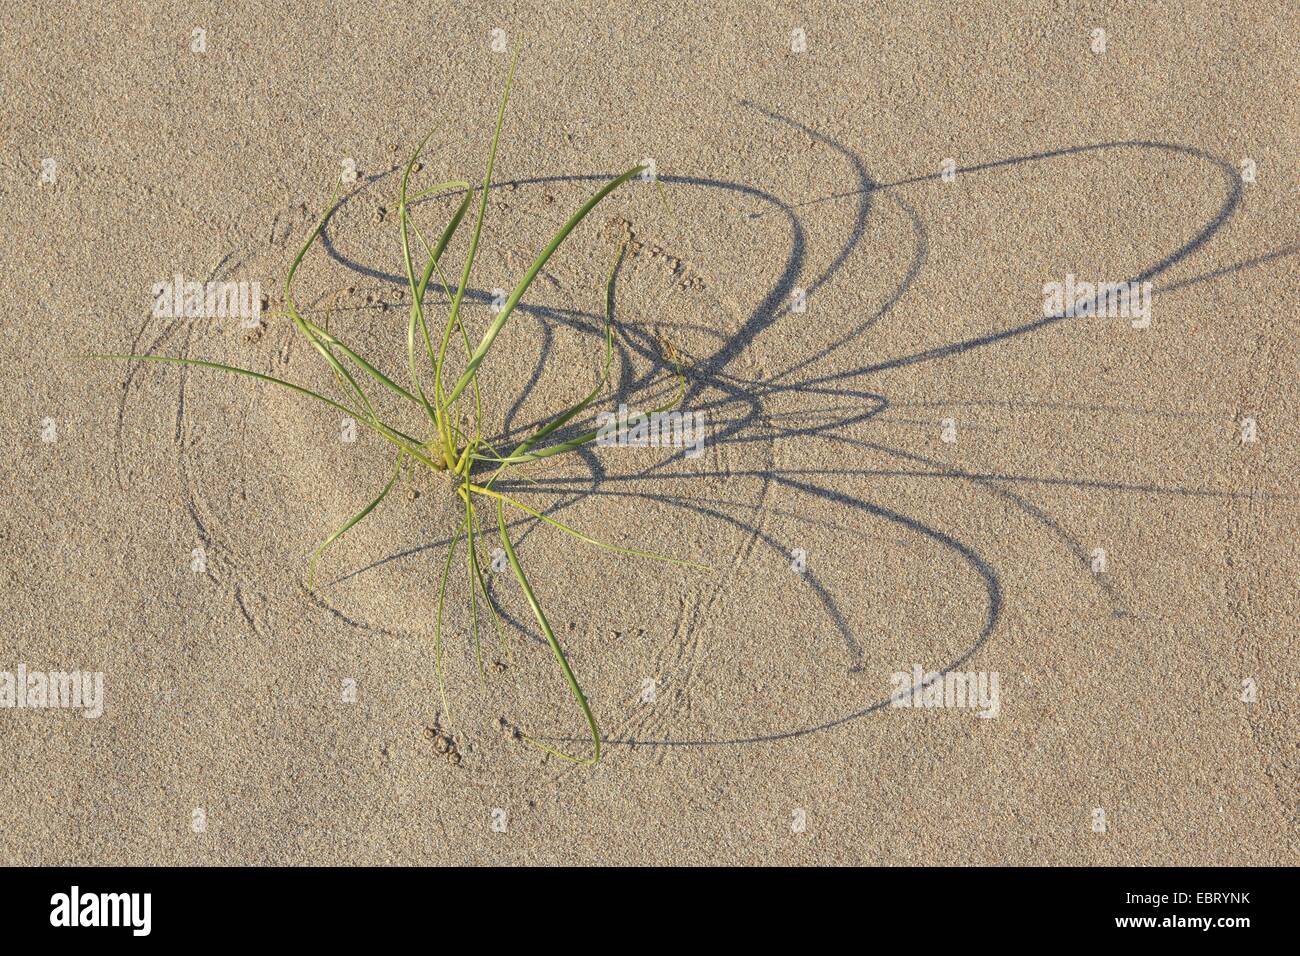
[463, 460]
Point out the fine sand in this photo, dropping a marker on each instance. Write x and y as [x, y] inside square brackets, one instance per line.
[907, 463]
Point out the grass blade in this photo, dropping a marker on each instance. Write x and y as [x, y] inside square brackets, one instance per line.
[405, 442]
[558, 651]
[618, 549]
[478, 229]
[499, 322]
[437, 632]
[311, 566]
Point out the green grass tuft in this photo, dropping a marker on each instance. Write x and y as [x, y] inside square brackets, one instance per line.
[451, 452]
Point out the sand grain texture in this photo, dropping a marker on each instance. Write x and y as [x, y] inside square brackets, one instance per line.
[816, 170]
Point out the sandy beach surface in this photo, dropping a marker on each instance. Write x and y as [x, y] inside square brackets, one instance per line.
[911, 465]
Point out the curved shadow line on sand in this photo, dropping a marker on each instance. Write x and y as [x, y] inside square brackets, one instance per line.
[711, 372]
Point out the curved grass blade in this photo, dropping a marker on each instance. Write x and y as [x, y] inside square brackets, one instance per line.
[418, 288]
[471, 566]
[315, 558]
[435, 256]
[291, 309]
[365, 366]
[499, 322]
[169, 359]
[437, 632]
[561, 420]
[588, 437]
[519, 456]
[482, 584]
[454, 313]
[558, 651]
[506, 499]
[405, 442]
[469, 350]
